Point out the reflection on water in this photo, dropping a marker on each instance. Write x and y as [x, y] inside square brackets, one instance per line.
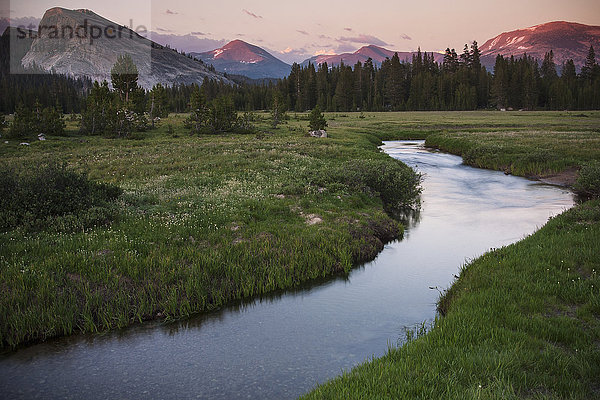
[282, 345]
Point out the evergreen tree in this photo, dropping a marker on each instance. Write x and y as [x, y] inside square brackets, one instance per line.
[223, 117]
[98, 109]
[23, 125]
[590, 62]
[2, 123]
[466, 57]
[51, 121]
[157, 104]
[200, 113]
[475, 58]
[500, 85]
[124, 76]
[317, 119]
[277, 109]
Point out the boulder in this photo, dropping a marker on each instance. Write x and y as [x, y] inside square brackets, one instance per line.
[318, 134]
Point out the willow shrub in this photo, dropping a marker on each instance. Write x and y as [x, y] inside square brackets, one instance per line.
[53, 196]
[397, 185]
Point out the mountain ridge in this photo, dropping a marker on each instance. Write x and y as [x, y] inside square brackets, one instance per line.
[62, 48]
[242, 58]
[567, 40]
[376, 53]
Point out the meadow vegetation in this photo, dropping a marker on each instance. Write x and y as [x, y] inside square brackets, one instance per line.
[206, 219]
[165, 224]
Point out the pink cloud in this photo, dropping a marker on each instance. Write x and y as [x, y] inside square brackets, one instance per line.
[252, 14]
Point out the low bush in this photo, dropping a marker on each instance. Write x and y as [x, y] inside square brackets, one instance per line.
[396, 184]
[53, 196]
[588, 182]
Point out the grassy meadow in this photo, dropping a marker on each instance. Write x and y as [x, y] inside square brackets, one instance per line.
[202, 221]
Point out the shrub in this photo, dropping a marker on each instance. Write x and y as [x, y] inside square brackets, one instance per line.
[29, 123]
[36, 199]
[23, 125]
[396, 184]
[588, 182]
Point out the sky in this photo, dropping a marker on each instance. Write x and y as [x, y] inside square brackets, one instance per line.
[294, 31]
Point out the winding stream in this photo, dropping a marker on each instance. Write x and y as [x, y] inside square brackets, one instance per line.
[282, 346]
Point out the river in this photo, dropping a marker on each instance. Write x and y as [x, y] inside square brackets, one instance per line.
[283, 345]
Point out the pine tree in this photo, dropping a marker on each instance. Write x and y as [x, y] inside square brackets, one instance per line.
[465, 57]
[277, 108]
[98, 109]
[157, 104]
[317, 120]
[124, 76]
[223, 117]
[475, 58]
[200, 113]
[23, 125]
[52, 122]
[590, 62]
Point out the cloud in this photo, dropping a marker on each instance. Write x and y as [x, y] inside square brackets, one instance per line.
[364, 39]
[198, 33]
[325, 37]
[348, 29]
[252, 14]
[324, 52]
[163, 30]
[170, 12]
[405, 36]
[345, 48]
[302, 32]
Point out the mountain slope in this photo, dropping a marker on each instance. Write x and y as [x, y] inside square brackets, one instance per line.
[241, 58]
[85, 55]
[567, 40]
[376, 53]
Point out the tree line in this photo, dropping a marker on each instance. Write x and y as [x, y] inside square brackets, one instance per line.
[460, 82]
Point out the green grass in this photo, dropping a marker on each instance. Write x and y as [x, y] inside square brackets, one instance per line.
[203, 220]
[554, 143]
[521, 322]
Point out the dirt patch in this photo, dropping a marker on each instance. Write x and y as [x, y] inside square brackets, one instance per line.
[565, 178]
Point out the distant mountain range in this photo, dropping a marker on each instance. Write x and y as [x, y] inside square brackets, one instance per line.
[61, 46]
[241, 58]
[156, 63]
[375, 53]
[567, 40]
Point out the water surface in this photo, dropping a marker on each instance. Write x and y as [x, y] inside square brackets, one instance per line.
[281, 346]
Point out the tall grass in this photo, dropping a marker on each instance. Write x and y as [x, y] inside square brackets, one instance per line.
[202, 221]
[521, 322]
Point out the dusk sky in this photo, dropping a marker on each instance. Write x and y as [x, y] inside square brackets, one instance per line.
[295, 31]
